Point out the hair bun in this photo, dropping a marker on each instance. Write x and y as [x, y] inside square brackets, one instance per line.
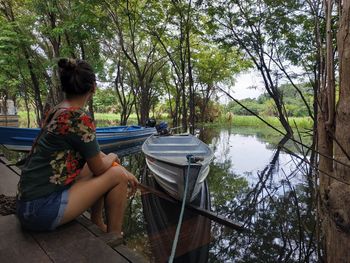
[67, 64]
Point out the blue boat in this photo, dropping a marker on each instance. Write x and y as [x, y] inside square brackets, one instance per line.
[109, 138]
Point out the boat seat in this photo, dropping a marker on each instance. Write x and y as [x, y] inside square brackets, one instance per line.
[173, 144]
[179, 152]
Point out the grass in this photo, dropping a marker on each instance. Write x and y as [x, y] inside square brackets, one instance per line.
[101, 118]
[252, 121]
[241, 121]
[23, 115]
[112, 116]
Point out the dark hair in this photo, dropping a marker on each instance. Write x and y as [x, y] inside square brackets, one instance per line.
[77, 76]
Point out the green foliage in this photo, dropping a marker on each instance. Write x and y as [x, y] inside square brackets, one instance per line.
[12, 70]
[213, 64]
[95, 30]
[105, 101]
[264, 105]
[252, 121]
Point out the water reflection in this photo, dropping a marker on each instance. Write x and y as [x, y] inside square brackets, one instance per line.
[267, 190]
[249, 155]
[161, 217]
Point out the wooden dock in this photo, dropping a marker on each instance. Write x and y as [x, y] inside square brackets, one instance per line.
[78, 241]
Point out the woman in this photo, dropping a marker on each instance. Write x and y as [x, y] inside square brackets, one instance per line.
[66, 172]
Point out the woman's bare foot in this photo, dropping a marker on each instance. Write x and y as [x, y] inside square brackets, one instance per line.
[100, 224]
[115, 239]
[103, 227]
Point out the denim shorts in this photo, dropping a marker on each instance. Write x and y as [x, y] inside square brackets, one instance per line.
[42, 214]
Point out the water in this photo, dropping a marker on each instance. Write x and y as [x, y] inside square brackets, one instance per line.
[250, 181]
[248, 155]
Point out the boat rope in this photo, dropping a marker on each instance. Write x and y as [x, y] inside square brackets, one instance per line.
[179, 223]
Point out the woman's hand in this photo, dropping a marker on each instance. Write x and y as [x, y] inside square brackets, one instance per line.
[132, 183]
[102, 162]
[115, 157]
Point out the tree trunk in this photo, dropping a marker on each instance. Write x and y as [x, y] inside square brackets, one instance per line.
[338, 223]
[145, 104]
[36, 88]
[325, 145]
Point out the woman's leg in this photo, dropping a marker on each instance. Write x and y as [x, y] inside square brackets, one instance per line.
[97, 214]
[97, 208]
[84, 193]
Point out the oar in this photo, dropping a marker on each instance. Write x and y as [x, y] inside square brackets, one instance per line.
[203, 212]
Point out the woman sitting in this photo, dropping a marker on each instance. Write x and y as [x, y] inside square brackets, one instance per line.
[66, 173]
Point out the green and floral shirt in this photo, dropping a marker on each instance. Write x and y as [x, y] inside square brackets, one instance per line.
[60, 153]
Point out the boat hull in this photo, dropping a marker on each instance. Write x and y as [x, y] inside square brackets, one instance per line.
[166, 157]
[109, 138]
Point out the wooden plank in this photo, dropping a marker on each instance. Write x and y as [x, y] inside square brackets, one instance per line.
[121, 248]
[10, 165]
[74, 243]
[9, 120]
[9, 180]
[4, 160]
[129, 254]
[16, 244]
[79, 241]
[85, 221]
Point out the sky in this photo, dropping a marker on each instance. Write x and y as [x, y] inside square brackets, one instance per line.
[241, 89]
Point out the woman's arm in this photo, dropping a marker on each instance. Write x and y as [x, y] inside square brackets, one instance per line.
[104, 155]
[101, 162]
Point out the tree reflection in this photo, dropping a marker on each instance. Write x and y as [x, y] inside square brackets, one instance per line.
[134, 224]
[278, 214]
[162, 217]
[276, 209]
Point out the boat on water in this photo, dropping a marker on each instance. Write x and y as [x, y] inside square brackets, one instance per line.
[162, 217]
[172, 158]
[109, 138]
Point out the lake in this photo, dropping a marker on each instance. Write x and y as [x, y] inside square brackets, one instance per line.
[250, 181]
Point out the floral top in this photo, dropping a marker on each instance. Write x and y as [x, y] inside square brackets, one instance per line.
[67, 141]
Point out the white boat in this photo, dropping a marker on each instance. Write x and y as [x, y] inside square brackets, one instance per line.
[169, 157]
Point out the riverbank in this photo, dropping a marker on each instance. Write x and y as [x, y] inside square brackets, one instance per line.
[102, 119]
[252, 121]
[105, 119]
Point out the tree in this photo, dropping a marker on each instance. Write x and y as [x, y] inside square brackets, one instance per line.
[67, 29]
[335, 206]
[213, 66]
[262, 29]
[12, 13]
[174, 35]
[124, 85]
[138, 47]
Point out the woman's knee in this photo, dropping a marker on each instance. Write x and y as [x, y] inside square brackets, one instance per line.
[85, 174]
[117, 173]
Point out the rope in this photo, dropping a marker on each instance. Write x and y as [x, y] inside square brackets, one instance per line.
[179, 223]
